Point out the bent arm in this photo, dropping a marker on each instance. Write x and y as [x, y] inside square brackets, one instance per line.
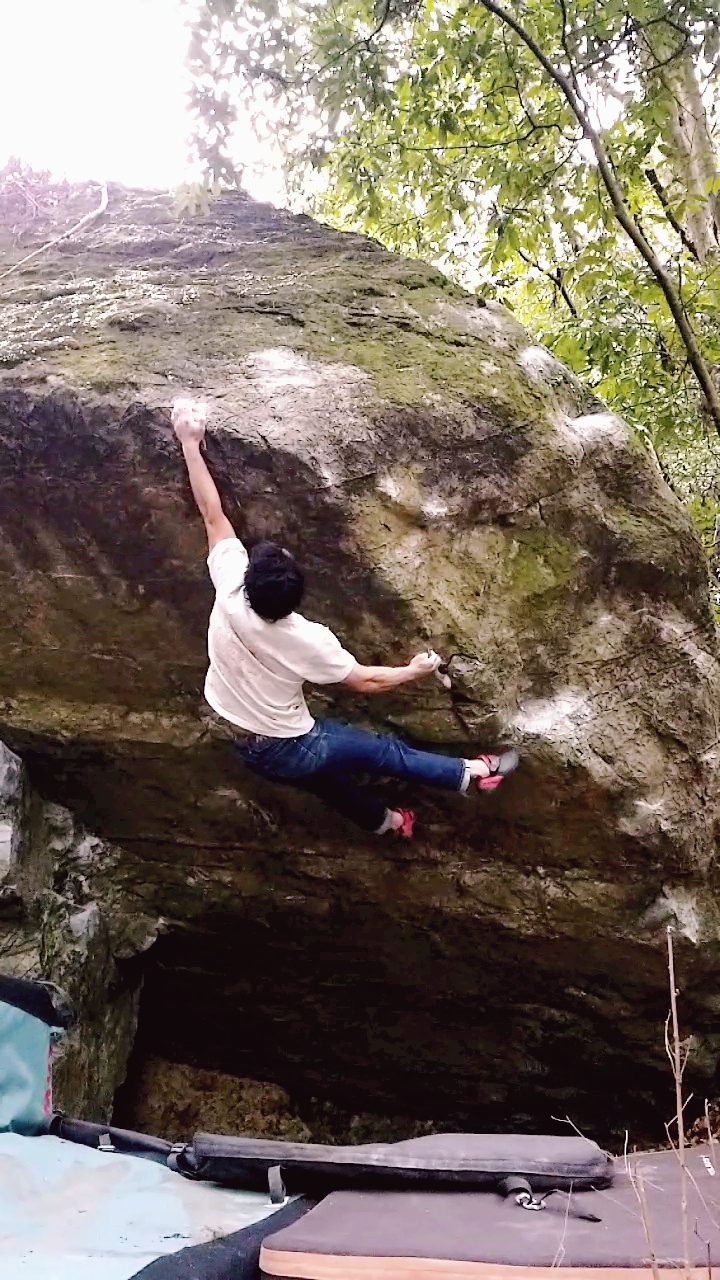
[382, 679]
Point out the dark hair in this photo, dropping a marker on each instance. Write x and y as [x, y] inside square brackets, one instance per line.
[274, 583]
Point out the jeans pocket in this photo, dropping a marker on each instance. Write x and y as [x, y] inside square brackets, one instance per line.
[256, 752]
[281, 757]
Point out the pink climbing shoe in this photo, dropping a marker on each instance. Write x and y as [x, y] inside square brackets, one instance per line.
[408, 821]
[507, 762]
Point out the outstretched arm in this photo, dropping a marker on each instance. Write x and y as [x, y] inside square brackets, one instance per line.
[382, 679]
[188, 419]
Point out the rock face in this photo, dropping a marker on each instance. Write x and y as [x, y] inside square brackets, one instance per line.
[177, 1101]
[445, 482]
[60, 917]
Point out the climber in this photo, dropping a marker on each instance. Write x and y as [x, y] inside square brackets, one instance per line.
[261, 652]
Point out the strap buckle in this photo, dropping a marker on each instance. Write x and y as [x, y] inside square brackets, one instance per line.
[519, 1187]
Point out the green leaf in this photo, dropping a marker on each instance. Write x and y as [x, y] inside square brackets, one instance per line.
[435, 129]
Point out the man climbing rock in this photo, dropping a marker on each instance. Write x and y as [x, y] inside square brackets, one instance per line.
[261, 652]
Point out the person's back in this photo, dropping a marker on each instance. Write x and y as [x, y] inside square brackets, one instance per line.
[257, 666]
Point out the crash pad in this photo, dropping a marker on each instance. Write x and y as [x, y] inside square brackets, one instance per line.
[596, 1234]
[68, 1212]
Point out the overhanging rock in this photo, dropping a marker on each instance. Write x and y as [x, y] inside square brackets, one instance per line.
[445, 482]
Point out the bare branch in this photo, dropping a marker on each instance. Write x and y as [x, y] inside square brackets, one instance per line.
[711, 1136]
[677, 1074]
[560, 1251]
[639, 1187]
[89, 217]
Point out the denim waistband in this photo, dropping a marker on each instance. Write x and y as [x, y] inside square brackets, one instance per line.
[245, 737]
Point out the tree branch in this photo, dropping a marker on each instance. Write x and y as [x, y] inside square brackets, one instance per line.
[555, 278]
[485, 146]
[357, 44]
[564, 42]
[609, 48]
[620, 209]
[659, 190]
[641, 30]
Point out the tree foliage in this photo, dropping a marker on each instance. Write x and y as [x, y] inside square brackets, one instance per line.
[437, 128]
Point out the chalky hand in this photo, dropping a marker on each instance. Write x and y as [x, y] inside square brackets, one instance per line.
[188, 418]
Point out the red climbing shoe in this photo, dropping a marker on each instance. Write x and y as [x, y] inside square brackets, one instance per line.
[408, 821]
[499, 766]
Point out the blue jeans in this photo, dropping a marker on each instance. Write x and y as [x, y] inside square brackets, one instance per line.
[321, 760]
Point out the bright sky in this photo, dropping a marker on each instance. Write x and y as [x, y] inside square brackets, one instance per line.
[95, 89]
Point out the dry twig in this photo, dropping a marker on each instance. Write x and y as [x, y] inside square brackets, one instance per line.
[89, 217]
[678, 1061]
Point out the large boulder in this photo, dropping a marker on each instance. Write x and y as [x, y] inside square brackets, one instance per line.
[445, 482]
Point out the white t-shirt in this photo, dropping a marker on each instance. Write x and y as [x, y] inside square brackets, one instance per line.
[257, 668]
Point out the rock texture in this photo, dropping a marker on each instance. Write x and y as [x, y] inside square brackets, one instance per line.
[177, 1101]
[445, 482]
[61, 918]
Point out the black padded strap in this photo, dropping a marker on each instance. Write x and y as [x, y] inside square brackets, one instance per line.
[514, 1185]
[88, 1134]
[40, 999]
[175, 1161]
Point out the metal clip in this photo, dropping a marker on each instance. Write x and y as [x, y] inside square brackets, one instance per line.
[105, 1143]
[527, 1200]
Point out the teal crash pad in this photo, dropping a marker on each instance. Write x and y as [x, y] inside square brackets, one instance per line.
[69, 1212]
[25, 1049]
